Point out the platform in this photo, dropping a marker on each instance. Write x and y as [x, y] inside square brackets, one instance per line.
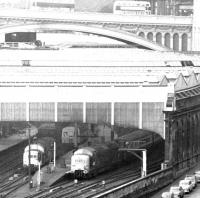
[47, 179]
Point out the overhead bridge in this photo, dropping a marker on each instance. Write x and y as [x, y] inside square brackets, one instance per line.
[174, 32]
[118, 35]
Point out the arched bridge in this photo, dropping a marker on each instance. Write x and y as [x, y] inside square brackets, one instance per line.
[124, 37]
[174, 32]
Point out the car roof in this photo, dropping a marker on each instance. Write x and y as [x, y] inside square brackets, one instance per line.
[184, 180]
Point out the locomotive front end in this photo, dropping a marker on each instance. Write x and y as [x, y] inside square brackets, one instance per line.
[35, 156]
[80, 166]
[33, 160]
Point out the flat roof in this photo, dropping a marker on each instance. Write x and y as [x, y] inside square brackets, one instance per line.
[95, 57]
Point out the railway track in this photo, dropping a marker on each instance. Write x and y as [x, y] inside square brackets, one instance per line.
[10, 166]
[88, 188]
[10, 160]
[71, 186]
[75, 190]
[84, 188]
[10, 185]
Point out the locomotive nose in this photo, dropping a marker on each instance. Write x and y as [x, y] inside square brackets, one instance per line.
[79, 174]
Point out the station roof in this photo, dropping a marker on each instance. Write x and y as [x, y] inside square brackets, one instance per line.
[94, 57]
[95, 66]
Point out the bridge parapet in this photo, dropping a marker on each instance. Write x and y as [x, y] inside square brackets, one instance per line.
[97, 18]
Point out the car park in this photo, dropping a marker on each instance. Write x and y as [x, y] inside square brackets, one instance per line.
[192, 178]
[186, 185]
[197, 175]
[177, 191]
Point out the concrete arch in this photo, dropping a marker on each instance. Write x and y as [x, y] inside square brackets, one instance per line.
[159, 38]
[122, 36]
[184, 39]
[141, 34]
[176, 42]
[150, 36]
[167, 40]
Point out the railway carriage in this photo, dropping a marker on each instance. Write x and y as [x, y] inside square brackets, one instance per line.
[41, 150]
[74, 136]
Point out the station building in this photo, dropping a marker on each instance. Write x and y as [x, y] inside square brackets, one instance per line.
[126, 87]
[139, 85]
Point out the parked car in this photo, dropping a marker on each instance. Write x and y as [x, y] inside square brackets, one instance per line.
[186, 185]
[192, 178]
[197, 175]
[177, 191]
[167, 195]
